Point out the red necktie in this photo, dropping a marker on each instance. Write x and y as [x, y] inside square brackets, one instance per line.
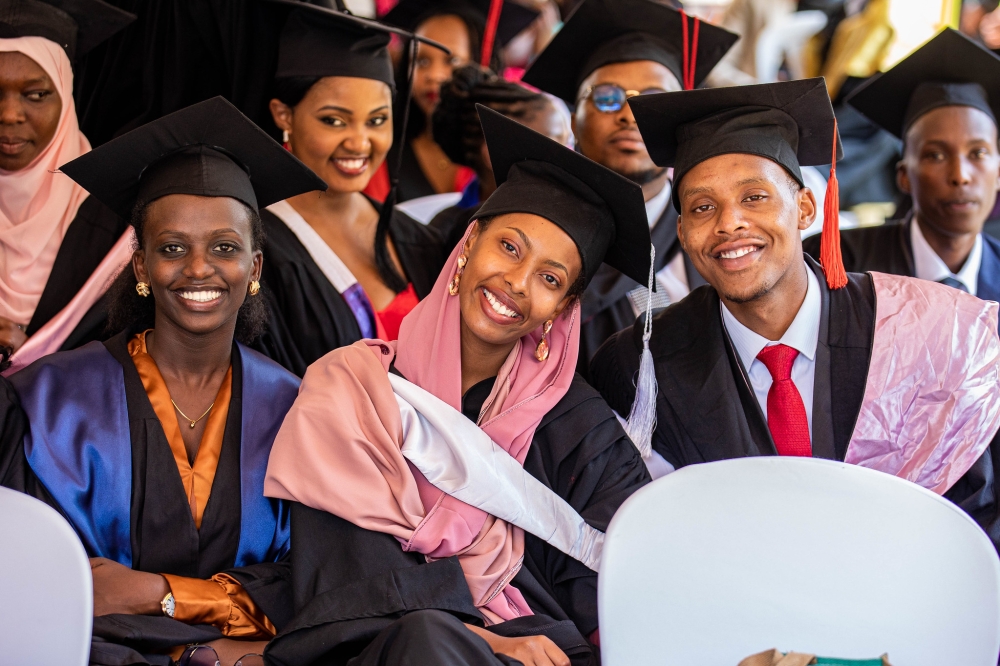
[786, 415]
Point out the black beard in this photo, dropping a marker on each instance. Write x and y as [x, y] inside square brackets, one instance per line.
[645, 177]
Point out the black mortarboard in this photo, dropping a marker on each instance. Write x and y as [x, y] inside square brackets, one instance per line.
[603, 32]
[317, 42]
[603, 212]
[949, 70]
[514, 18]
[76, 25]
[791, 123]
[209, 149]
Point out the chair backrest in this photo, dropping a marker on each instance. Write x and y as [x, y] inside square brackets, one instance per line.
[46, 588]
[716, 562]
[783, 39]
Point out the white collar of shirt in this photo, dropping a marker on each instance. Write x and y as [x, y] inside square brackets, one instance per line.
[802, 335]
[658, 204]
[928, 265]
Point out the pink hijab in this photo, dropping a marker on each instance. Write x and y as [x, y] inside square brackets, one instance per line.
[347, 461]
[37, 204]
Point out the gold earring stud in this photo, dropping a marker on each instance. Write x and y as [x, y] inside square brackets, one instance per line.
[542, 350]
[457, 280]
[254, 288]
[142, 289]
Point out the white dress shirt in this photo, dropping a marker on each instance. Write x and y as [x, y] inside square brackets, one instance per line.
[671, 280]
[802, 335]
[928, 265]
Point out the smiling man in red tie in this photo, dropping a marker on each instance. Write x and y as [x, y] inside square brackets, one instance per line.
[780, 355]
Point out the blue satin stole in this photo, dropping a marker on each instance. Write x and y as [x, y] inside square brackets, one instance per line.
[79, 445]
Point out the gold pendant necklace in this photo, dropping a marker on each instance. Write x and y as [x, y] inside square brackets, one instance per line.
[188, 418]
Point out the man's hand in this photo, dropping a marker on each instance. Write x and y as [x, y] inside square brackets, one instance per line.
[11, 334]
[529, 650]
[118, 589]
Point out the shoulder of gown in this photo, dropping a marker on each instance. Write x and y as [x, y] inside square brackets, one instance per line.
[865, 249]
[89, 238]
[421, 251]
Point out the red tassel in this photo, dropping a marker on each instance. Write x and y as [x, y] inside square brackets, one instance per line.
[690, 55]
[490, 33]
[829, 254]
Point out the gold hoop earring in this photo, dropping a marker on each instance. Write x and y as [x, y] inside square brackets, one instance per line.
[254, 288]
[142, 289]
[455, 281]
[542, 350]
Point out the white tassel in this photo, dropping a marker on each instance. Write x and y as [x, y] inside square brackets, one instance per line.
[642, 417]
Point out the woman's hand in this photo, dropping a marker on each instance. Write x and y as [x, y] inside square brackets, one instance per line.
[11, 334]
[118, 589]
[529, 650]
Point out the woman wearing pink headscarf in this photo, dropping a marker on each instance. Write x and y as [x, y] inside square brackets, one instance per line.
[451, 488]
[53, 237]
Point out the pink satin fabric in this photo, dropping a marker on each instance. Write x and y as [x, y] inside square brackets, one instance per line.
[350, 464]
[37, 203]
[50, 337]
[932, 399]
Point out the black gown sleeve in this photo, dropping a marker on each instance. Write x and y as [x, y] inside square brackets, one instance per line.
[582, 453]
[976, 492]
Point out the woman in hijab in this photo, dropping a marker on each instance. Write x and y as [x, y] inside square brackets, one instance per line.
[452, 501]
[58, 247]
[340, 268]
[154, 443]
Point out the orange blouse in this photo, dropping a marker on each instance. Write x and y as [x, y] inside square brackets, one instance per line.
[220, 601]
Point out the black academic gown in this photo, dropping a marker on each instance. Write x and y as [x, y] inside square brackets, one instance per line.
[308, 316]
[605, 304]
[162, 532]
[352, 585]
[451, 223]
[413, 184]
[89, 238]
[706, 408]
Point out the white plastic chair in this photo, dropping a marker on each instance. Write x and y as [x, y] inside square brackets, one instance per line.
[783, 39]
[46, 588]
[717, 562]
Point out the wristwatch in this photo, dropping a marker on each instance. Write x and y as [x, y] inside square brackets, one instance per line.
[167, 604]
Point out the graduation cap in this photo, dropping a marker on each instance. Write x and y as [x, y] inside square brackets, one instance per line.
[603, 32]
[209, 149]
[76, 25]
[949, 70]
[513, 19]
[791, 123]
[602, 211]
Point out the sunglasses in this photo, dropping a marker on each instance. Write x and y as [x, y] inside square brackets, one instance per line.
[611, 97]
[203, 655]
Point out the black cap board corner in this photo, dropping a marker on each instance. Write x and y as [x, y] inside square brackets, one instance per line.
[603, 212]
[949, 69]
[602, 32]
[206, 149]
[76, 25]
[514, 18]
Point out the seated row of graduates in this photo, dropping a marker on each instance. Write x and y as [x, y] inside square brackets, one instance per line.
[297, 513]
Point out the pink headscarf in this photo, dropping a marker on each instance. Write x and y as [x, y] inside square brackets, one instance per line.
[347, 460]
[36, 203]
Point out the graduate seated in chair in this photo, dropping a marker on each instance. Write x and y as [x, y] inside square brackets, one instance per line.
[450, 488]
[154, 444]
[780, 356]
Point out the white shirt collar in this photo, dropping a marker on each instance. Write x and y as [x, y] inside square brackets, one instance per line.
[658, 204]
[929, 266]
[802, 334]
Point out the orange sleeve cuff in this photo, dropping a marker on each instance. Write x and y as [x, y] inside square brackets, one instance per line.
[221, 602]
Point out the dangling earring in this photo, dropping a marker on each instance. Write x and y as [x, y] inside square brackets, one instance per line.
[455, 281]
[284, 140]
[254, 287]
[542, 350]
[142, 289]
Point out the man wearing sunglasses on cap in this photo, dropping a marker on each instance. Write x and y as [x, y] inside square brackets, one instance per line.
[607, 52]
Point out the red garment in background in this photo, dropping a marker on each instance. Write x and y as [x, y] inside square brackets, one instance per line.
[392, 316]
[378, 186]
